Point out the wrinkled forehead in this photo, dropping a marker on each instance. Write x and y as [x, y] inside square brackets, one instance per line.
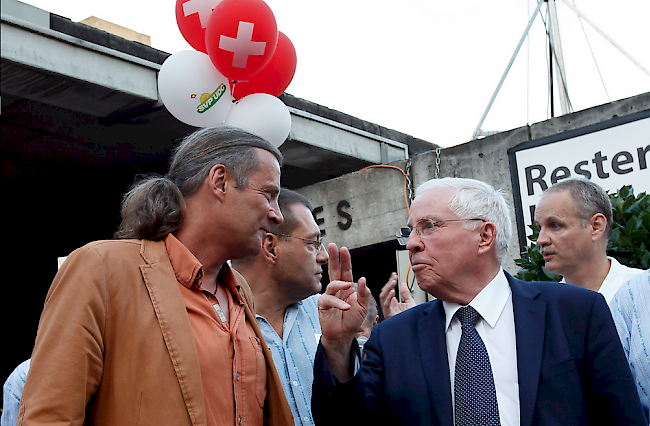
[433, 204]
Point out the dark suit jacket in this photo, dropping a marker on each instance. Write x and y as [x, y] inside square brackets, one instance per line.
[572, 369]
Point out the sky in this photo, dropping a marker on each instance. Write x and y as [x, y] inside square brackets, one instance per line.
[428, 68]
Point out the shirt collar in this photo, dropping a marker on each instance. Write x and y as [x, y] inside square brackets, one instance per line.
[187, 267]
[489, 302]
[189, 271]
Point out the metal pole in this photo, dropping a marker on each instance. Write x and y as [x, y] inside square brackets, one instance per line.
[550, 77]
[503, 77]
[556, 44]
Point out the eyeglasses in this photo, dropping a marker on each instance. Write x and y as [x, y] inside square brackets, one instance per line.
[316, 245]
[424, 228]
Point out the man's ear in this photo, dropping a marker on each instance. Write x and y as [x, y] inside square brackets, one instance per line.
[487, 236]
[219, 181]
[598, 224]
[269, 248]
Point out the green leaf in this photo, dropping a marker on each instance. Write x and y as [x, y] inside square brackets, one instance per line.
[631, 225]
[623, 192]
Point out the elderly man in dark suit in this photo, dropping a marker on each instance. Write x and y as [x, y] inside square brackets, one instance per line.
[492, 350]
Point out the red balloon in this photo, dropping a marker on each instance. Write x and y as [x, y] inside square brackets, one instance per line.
[192, 17]
[276, 76]
[241, 37]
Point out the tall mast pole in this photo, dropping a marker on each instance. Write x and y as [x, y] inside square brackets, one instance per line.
[556, 46]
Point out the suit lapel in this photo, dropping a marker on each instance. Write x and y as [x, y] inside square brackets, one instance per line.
[433, 351]
[175, 325]
[530, 325]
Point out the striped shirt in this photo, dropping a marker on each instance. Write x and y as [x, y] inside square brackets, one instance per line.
[12, 392]
[293, 354]
[631, 311]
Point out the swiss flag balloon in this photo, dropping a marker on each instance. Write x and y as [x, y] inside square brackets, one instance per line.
[274, 77]
[241, 37]
[192, 17]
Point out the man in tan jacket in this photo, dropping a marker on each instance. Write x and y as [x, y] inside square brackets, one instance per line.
[154, 328]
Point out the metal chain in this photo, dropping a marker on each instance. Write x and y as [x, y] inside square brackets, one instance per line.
[409, 182]
[436, 173]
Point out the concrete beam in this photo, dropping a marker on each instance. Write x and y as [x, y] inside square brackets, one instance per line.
[320, 132]
[37, 47]
[26, 12]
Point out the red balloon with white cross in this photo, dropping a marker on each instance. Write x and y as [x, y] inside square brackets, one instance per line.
[241, 41]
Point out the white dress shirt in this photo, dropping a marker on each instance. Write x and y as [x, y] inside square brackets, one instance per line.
[497, 329]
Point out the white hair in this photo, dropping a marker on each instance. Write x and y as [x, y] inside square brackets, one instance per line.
[475, 199]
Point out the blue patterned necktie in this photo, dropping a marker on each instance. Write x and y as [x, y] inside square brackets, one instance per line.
[475, 397]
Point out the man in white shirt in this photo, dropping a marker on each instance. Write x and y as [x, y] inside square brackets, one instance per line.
[491, 350]
[575, 219]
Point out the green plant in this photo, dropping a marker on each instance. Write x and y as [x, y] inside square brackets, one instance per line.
[629, 242]
[630, 239]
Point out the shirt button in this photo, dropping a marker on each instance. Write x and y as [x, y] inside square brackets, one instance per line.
[237, 376]
[295, 383]
[239, 419]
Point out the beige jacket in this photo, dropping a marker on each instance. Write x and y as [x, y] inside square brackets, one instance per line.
[115, 345]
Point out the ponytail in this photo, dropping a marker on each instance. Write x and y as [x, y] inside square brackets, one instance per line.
[151, 209]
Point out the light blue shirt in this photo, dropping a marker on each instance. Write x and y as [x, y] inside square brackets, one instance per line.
[631, 311]
[294, 353]
[12, 391]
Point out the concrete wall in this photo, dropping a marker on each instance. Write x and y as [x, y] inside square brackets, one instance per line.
[376, 196]
[362, 208]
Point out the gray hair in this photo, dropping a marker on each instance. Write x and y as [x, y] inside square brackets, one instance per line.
[475, 199]
[154, 206]
[589, 198]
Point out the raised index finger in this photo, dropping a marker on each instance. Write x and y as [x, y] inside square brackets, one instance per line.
[333, 265]
[346, 265]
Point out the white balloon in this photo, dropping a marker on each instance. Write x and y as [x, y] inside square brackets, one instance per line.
[193, 90]
[262, 114]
